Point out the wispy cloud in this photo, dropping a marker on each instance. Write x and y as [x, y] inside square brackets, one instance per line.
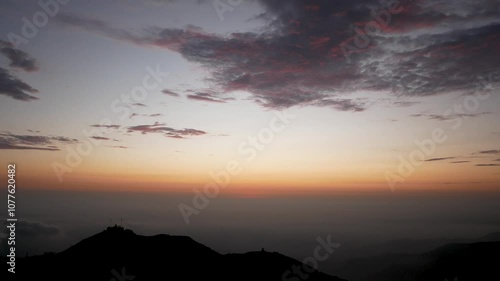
[341, 104]
[8, 146]
[439, 159]
[18, 58]
[105, 126]
[33, 142]
[119, 146]
[405, 103]
[490, 152]
[10, 85]
[104, 138]
[170, 93]
[450, 116]
[13, 87]
[145, 115]
[160, 128]
[204, 97]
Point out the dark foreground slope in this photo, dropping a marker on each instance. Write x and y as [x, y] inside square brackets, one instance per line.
[121, 255]
[465, 262]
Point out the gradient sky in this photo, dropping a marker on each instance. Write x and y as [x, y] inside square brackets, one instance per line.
[435, 64]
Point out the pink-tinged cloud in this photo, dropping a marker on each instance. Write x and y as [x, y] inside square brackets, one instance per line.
[160, 128]
[307, 55]
[204, 97]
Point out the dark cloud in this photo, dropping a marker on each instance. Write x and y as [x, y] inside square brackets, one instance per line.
[103, 138]
[13, 87]
[205, 97]
[119, 146]
[145, 129]
[146, 115]
[465, 182]
[430, 47]
[459, 162]
[490, 152]
[450, 116]
[139, 104]
[10, 85]
[439, 159]
[488, 165]
[6, 145]
[18, 58]
[105, 126]
[404, 103]
[170, 93]
[33, 142]
[342, 104]
[160, 128]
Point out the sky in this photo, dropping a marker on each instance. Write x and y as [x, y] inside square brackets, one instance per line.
[307, 117]
[364, 81]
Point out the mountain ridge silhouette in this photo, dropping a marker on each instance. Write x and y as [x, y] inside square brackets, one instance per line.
[467, 261]
[118, 254]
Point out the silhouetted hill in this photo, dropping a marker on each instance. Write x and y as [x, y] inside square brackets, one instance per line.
[120, 255]
[490, 237]
[416, 246]
[476, 261]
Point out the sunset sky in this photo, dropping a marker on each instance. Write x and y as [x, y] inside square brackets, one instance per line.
[370, 121]
[224, 72]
